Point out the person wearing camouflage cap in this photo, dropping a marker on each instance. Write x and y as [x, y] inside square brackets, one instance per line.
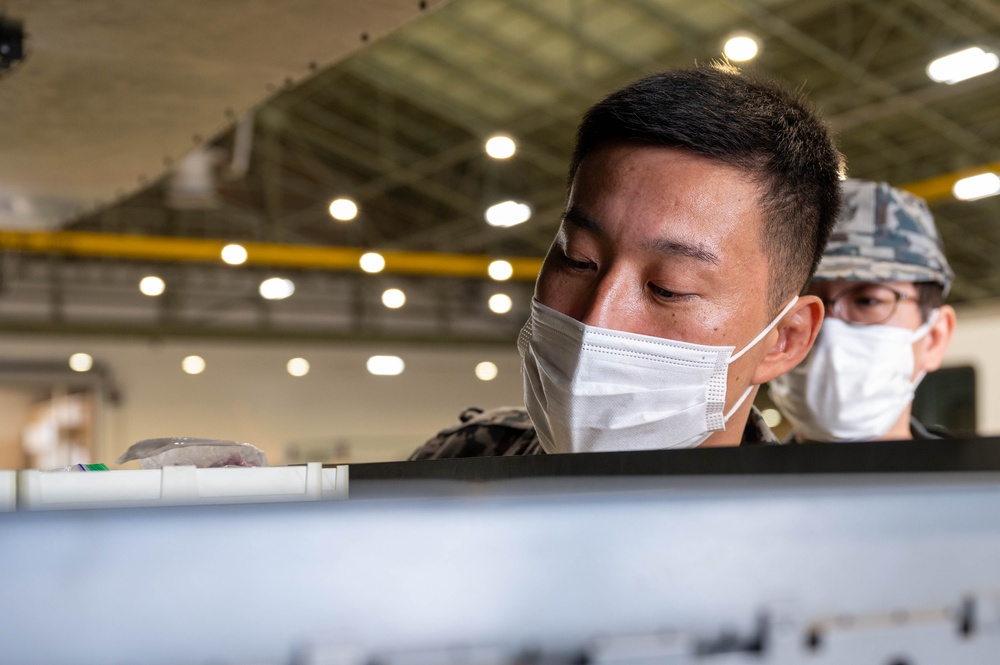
[883, 278]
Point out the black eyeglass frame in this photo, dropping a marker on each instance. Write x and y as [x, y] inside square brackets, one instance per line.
[834, 304]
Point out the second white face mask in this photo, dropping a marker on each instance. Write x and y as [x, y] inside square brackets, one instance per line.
[590, 389]
[854, 384]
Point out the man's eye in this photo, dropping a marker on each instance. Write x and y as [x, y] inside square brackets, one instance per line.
[574, 264]
[665, 294]
[866, 301]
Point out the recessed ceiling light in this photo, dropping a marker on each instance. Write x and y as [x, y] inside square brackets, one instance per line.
[772, 417]
[372, 262]
[193, 365]
[385, 365]
[977, 187]
[298, 366]
[81, 362]
[393, 298]
[234, 254]
[500, 147]
[508, 213]
[486, 371]
[741, 48]
[962, 65]
[151, 285]
[500, 303]
[500, 270]
[276, 288]
[343, 210]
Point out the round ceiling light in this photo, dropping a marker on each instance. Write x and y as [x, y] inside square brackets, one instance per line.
[276, 288]
[151, 285]
[500, 303]
[234, 254]
[81, 362]
[500, 270]
[343, 210]
[372, 262]
[741, 48]
[500, 147]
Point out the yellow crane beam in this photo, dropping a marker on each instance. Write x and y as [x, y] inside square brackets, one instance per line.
[939, 187]
[274, 255]
[305, 257]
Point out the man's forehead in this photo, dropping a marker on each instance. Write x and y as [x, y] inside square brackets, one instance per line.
[663, 180]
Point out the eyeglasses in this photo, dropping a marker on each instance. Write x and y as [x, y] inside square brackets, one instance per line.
[867, 304]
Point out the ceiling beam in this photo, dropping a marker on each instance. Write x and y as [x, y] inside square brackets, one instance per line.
[838, 63]
[63, 244]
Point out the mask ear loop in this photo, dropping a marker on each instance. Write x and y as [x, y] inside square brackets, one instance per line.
[739, 403]
[766, 330]
[922, 331]
[918, 335]
[753, 342]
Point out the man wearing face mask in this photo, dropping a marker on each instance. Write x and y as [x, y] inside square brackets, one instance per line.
[883, 279]
[699, 203]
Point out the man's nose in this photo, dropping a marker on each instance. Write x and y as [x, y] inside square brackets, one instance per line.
[606, 303]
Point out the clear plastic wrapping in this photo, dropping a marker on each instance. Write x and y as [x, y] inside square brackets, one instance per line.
[192, 451]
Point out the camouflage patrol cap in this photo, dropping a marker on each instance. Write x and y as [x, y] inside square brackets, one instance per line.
[884, 234]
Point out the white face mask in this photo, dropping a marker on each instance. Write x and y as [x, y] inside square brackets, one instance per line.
[591, 389]
[854, 384]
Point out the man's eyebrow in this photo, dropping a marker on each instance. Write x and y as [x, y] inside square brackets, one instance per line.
[583, 221]
[666, 246]
[680, 248]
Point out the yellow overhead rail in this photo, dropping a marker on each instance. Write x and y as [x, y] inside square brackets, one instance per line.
[201, 250]
[306, 257]
[939, 187]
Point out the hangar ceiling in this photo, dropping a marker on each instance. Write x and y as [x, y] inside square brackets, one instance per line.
[398, 126]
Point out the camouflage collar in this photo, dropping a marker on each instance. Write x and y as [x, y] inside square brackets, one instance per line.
[757, 432]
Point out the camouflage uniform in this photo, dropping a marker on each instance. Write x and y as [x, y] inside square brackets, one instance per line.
[508, 431]
[884, 235]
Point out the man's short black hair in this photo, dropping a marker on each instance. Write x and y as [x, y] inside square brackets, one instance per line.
[755, 125]
[930, 296]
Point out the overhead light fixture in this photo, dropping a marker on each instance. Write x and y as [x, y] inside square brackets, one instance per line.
[276, 288]
[81, 362]
[962, 65]
[500, 147]
[234, 254]
[298, 366]
[500, 270]
[193, 365]
[385, 365]
[740, 48]
[500, 303]
[372, 262]
[486, 371]
[977, 187]
[343, 210]
[772, 417]
[508, 213]
[393, 298]
[151, 285]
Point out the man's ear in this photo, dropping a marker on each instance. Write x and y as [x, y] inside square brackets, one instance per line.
[797, 331]
[937, 340]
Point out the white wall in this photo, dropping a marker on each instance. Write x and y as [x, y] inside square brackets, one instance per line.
[245, 394]
[977, 343]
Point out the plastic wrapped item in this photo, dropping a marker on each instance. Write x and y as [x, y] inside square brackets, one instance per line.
[192, 451]
[83, 467]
